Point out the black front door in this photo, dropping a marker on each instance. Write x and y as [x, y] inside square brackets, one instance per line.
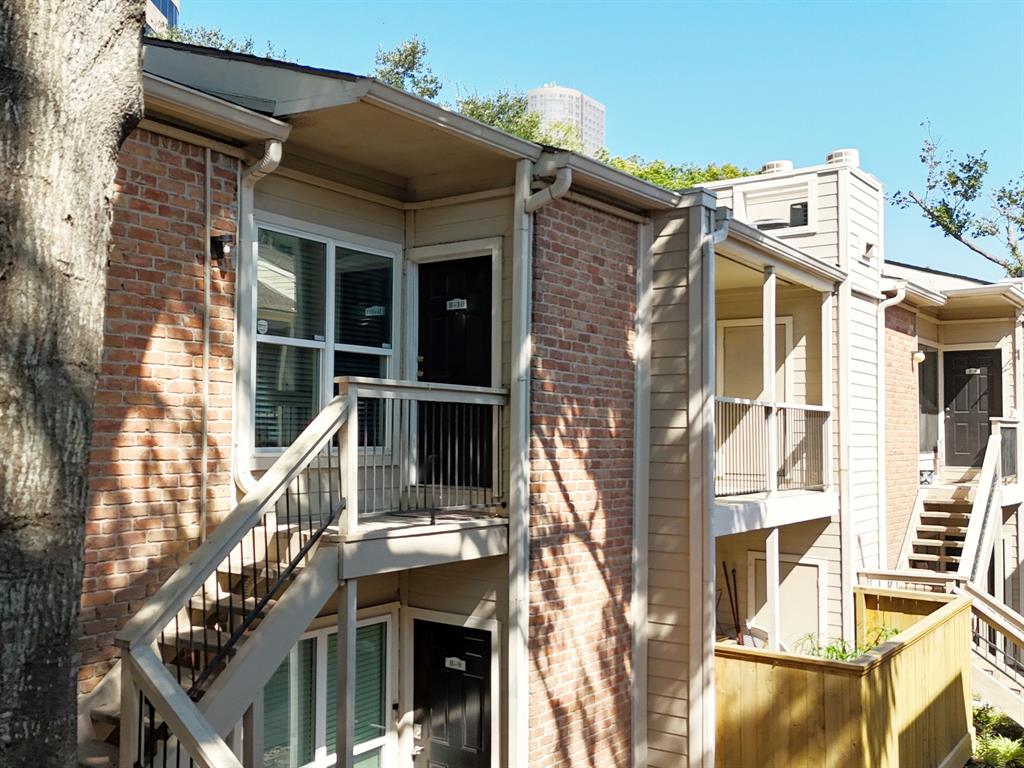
[451, 696]
[454, 347]
[973, 386]
[455, 322]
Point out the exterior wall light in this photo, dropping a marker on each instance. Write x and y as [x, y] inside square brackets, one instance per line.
[917, 357]
[220, 246]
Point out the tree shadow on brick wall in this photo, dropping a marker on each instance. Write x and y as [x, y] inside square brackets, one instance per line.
[145, 463]
[589, 541]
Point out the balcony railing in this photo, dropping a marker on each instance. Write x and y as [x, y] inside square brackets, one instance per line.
[425, 450]
[1007, 429]
[763, 447]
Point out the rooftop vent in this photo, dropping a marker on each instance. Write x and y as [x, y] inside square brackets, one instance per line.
[843, 157]
[777, 166]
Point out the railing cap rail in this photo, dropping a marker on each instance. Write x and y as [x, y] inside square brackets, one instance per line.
[780, 404]
[365, 385]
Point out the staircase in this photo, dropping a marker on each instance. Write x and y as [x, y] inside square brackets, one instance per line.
[938, 540]
[213, 627]
[190, 660]
[196, 655]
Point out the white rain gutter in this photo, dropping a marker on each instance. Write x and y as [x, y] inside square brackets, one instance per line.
[882, 517]
[247, 178]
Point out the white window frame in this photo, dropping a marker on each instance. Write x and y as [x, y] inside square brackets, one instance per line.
[753, 189]
[249, 294]
[388, 743]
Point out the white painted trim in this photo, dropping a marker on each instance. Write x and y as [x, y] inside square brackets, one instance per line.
[700, 494]
[641, 489]
[846, 521]
[492, 626]
[429, 254]
[823, 583]
[787, 369]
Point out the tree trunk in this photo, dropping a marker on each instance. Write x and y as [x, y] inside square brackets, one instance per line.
[70, 91]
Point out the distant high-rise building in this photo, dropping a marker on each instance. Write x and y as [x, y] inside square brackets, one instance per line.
[161, 14]
[556, 104]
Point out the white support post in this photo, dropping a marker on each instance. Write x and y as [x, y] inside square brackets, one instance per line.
[348, 437]
[768, 377]
[128, 750]
[826, 381]
[771, 560]
[346, 680]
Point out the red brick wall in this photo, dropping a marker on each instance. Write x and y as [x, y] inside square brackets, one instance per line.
[581, 493]
[145, 463]
[901, 420]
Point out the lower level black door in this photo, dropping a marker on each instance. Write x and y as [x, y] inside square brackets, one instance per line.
[451, 696]
[972, 381]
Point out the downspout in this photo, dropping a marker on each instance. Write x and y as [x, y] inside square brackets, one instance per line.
[549, 165]
[882, 517]
[248, 177]
[204, 457]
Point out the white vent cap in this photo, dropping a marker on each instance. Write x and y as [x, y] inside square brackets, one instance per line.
[777, 166]
[846, 156]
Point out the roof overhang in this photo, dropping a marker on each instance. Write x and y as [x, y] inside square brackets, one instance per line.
[1005, 293]
[308, 96]
[178, 103]
[758, 249]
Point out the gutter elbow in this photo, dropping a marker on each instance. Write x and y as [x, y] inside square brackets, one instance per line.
[267, 164]
[558, 188]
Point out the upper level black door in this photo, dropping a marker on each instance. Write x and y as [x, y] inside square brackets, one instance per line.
[973, 387]
[451, 696]
[455, 442]
[455, 322]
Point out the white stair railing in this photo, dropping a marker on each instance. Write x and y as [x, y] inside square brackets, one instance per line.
[980, 539]
[155, 706]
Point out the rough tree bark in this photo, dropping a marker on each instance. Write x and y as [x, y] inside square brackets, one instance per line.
[70, 91]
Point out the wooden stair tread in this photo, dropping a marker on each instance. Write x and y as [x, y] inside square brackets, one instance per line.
[934, 558]
[197, 637]
[959, 530]
[107, 712]
[97, 754]
[941, 515]
[938, 543]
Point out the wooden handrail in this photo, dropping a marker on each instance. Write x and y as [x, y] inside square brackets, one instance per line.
[421, 390]
[978, 533]
[937, 579]
[998, 616]
[157, 612]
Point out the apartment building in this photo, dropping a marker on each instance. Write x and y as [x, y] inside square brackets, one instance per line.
[419, 442]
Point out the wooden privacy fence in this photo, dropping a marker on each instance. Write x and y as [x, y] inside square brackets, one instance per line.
[906, 704]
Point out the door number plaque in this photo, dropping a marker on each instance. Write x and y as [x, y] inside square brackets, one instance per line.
[454, 662]
[453, 304]
[973, 371]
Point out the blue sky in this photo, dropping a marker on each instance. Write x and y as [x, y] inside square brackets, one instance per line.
[714, 81]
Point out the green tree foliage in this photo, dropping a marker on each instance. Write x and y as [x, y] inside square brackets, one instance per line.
[672, 176]
[212, 37]
[505, 110]
[405, 66]
[954, 189]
